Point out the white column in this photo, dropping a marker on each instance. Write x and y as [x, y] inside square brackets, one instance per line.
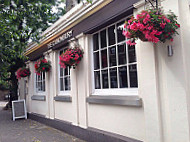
[30, 87]
[50, 85]
[148, 90]
[79, 77]
[174, 77]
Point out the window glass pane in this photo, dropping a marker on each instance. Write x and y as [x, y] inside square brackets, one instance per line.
[69, 83]
[96, 60]
[61, 72]
[66, 79]
[95, 42]
[123, 77]
[120, 36]
[61, 84]
[113, 77]
[122, 54]
[66, 71]
[103, 38]
[133, 76]
[104, 58]
[38, 77]
[111, 35]
[38, 88]
[43, 75]
[105, 78]
[97, 79]
[131, 54]
[112, 56]
[43, 86]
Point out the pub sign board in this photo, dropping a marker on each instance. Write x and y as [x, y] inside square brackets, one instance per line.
[19, 109]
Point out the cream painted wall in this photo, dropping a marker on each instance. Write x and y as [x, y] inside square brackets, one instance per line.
[64, 111]
[126, 121]
[39, 107]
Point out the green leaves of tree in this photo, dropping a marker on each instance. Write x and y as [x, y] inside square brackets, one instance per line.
[21, 21]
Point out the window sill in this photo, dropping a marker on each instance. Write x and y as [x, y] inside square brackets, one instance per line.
[133, 101]
[39, 97]
[63, 98]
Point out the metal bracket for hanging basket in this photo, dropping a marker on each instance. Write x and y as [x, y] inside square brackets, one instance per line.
[151, 2]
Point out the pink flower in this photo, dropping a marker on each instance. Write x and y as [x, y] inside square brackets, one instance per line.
[127, 34]
[130, 43]
[146, 20]
[129, 21]
[134, 26]
[162, 25]
[178, 25]
[171, 39]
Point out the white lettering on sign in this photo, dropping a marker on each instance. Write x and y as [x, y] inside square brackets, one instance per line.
[60, 39]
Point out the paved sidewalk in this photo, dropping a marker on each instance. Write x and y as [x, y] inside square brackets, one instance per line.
[28, 130]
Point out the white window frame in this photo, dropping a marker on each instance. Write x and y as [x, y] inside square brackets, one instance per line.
[62, 92]
[110, 91]
[39, 92]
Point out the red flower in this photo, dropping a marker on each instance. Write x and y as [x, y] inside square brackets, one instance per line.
[178, 25]
[151, 24]
[71, 57]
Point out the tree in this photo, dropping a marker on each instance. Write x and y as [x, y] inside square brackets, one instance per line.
[20, 22]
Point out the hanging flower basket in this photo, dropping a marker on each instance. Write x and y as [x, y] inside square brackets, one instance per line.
[151, 25]
[42, 66]
[71, 57]
[23, 72]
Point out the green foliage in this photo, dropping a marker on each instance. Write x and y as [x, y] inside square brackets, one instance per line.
[20, 22]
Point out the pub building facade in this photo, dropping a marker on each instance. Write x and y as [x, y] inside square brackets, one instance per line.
[117, 92]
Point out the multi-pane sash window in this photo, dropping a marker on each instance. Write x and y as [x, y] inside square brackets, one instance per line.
[115, 63]
[40, 82]
[64, 77]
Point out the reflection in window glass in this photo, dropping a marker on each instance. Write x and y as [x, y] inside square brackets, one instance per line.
[112, 56]
[104, 58]
[61, 71]
[61, 84]
[123, 77]
[97, 79]
[96, 61]
[103, 38]
[105, 78]
[122, 54]
[133, 75]
[67, 83]
[120, 36]
[95, 42]
[111, 35]
[113, 77]
[132, 54]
